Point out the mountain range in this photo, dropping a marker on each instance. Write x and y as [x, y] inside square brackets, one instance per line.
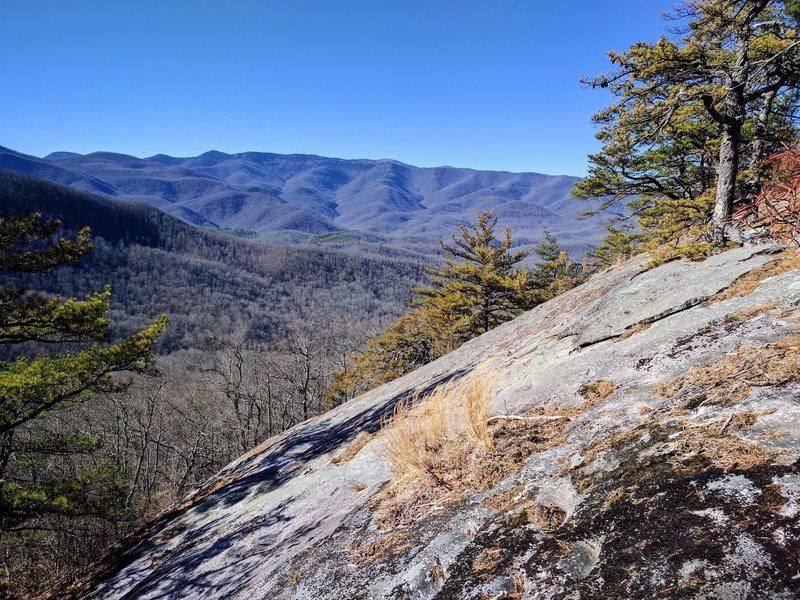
[296, 197]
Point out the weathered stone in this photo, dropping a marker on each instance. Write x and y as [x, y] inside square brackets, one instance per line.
[661, 494]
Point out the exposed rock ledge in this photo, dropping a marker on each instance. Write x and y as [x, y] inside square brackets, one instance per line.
[680, 480]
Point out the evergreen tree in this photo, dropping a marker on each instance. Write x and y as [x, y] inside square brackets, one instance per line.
[554, 271]
[479, 286]
[36, 380]
[618, 244]
[695, 116]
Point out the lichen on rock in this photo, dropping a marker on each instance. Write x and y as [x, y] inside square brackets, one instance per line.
[645, 444]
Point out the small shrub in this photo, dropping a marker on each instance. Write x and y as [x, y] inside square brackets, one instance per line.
[774, 213]
[426, 433]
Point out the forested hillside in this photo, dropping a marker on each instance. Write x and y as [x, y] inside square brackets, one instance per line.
[256, 333]
[211, 284]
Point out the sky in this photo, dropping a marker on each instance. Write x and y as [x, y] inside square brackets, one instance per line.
[490, 84]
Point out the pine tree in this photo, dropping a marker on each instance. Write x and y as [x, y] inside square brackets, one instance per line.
[37, 381]
[695, 116]
[479, 286]
[554, 271]
[618, 244]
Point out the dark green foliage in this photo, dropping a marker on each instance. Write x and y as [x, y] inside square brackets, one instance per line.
[480, 285]
[62, 364]
[693, 118]
[554, 272]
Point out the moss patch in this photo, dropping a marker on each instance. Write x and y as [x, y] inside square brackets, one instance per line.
[648, 519]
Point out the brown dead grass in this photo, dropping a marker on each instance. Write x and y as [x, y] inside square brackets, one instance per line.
[426, 430]
[774, 434]
[595, 392]
[487, 560]
[547, 517]
[384, 546]
[633, 330]
[731, 379]
[505, 500]
[298, 576]
[457, 469]
[747, 283]
[438, 459]
[613, 497]
[721, 449]
[749, 313]
[476, 411]
[745, 419]
[362, 439]
[617, 439]
[445, 447]
[519, 588]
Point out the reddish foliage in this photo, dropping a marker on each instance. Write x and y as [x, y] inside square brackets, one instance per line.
[775, 212]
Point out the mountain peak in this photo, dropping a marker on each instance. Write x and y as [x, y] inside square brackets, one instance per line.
[61, 154]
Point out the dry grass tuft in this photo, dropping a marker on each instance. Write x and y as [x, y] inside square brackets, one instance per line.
[749, 313]
[519, 587]
[774, 434]
[747, 283]
[633, 330]
[595, 392]
[745, 420]
[487, 560]
[384, 546]
[613, 497]
[547, 517]
[724, 451]
[362, 439]
[423, 432]
[444, 448]
[298, 576]
[730, 380]
[505, 500]
[615, 440]
[476, 411]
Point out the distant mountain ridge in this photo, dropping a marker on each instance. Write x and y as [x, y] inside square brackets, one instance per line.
[305, 195]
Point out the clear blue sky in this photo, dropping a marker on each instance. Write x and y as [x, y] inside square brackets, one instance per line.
[489, 84]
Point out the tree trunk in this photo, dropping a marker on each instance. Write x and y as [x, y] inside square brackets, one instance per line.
[758, 147]
[732, 119]
[727, 171]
